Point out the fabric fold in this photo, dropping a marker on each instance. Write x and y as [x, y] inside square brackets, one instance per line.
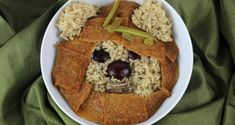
[6, 32]
[209, 99]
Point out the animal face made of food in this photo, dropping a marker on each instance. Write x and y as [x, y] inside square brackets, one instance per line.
[112, 77]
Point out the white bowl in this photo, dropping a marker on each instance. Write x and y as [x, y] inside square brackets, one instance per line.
[185, 59]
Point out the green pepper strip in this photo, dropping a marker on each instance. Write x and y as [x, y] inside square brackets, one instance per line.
[111, 13]
[135, 32]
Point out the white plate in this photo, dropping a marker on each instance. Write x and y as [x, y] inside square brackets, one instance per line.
[185, 58]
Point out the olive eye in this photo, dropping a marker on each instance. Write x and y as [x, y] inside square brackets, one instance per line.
[100, 56]
[133, 55]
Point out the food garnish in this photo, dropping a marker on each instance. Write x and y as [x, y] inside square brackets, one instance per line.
[148, 42]
[100, 56]
[111, 13]
[119, 88]
[134, 56]
[128, 36]
[134, 32]
[116, 23]
[119, 69]
[126, 31]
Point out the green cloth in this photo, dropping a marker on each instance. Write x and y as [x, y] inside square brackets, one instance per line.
[210, 96]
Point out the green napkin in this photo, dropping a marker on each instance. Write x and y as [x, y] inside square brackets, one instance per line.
[209, 99]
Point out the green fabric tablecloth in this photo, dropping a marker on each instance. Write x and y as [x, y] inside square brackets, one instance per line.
[210, 96]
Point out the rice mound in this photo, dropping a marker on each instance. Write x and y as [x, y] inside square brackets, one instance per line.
[145, 77]
[151, 17]
[73, 18]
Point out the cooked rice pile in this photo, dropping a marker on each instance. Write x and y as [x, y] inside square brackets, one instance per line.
[152, 18]
[73, 18]
[145, 77]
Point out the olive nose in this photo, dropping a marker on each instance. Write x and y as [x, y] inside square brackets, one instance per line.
[119, 69]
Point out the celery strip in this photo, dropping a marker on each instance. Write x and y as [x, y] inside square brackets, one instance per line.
[111, 13]
[128, 36]
[148, 42]
[135, 32]
[127, 32]
[116, 23]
